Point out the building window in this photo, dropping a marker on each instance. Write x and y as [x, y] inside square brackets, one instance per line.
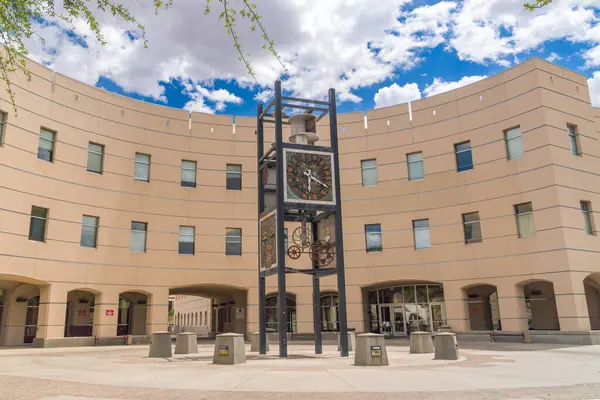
[233, 242]
[234, 177]
[188, 173]
[46, 145]
[373, 237]
[285, 238]
[272, 317]
[464, 157]
[415, 166]
[369, 172]
[574, 140]
[421, 233]
[187, 236]
[142, 167]
[514, 143]
[37, 224]
[524, 215]
[138, 236]
[329, 313]
[2, 125]
[588, 219]
[89, 231]
[95, 157]
[472, 228]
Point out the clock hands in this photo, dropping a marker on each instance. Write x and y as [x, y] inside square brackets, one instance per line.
[310, 176]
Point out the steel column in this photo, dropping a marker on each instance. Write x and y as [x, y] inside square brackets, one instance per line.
[316, 299]
[262, 311]
[339, 234]
[281, 289]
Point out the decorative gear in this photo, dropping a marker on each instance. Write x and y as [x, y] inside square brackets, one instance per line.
[302, 237]
[294, 252]
[321, 253]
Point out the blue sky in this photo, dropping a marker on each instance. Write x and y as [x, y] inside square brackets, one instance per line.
[374, 56]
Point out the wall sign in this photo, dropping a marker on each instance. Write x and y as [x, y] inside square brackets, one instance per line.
[375, 351]
[223, 350]
[81, 313]
[239, 313]
[110, 313]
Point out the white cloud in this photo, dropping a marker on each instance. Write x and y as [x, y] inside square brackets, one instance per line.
[594, 86]
[199, 96]
[264, 96]
[395, 94]
[440, 86]
[553, 57]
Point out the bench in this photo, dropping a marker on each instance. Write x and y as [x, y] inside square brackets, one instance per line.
[97, 339]
[495, 334]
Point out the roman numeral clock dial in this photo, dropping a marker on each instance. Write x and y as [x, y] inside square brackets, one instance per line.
[309, 177]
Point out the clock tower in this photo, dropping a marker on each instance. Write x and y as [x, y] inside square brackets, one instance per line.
[298, 182]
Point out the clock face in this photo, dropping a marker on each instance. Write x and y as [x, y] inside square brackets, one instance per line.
[309, 177]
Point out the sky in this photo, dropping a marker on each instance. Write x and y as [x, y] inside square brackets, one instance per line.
[375, 53]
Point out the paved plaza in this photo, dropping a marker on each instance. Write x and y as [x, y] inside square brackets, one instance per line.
[484, 371]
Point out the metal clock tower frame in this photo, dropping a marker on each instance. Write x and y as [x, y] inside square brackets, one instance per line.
[290, 211]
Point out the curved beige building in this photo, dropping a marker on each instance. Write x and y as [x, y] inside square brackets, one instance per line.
[474, 208]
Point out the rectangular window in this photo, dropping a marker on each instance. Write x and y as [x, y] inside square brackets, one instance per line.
[187, 236]
[524, 215]
[514, 143]
[89, 231]
[233, 242]
[421, 233]
[472, 228]
[464, 158]
[95, 157]
[138, 236]
[37, 224]
[588, 219]
[574, 140]
[373, 237]
[46, 145]
[285, 238]
[415, 166]
[188, 173]
[2, 124]
[369, 172]
[142, 167]
[234, 177]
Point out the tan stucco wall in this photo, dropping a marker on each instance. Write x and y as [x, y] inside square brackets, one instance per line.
[539, 97]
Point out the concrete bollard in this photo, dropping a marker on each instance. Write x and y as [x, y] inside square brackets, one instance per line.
[446, 347]
[229, 349]
[351, 341]
[370, 350]
[421, 343]
[160, 345]
[445, 328]
[255, 342]
[186, 343]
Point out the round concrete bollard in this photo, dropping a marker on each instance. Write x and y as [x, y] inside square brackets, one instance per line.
[229, 349]
[351, 341]
[421, 343]
[370, 350]
[446, 347]
[186, 343]
[160, 346]
[255, 342]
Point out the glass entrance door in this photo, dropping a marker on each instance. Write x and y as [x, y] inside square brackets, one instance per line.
[438, 316]
[399, 322]
[387, 328]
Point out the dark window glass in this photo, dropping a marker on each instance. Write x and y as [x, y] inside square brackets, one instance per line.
[464, 158]
[234, 177]
[472, 228]
[524, 215]
[233, 242]
[89, 231]
[2, 125]
[588, 220]
[574, 140]
[188, 173]
[142, 167]
[138, 236]
[46, 145]
[186, 239]
[37, 224]
[373, 237]
[95, 157]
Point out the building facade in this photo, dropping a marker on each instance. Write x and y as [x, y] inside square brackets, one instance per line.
[473, 208]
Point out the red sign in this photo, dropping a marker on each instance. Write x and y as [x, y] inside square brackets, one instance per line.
[110, 313]
[82, 313]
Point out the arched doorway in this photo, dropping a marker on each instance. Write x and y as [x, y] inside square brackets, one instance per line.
[329, 312]
[401, 308]
[591, 285]
[540, 306]
[272, 317]
[19, 309]
[79, 316]
[132, 314]
[484, 311]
